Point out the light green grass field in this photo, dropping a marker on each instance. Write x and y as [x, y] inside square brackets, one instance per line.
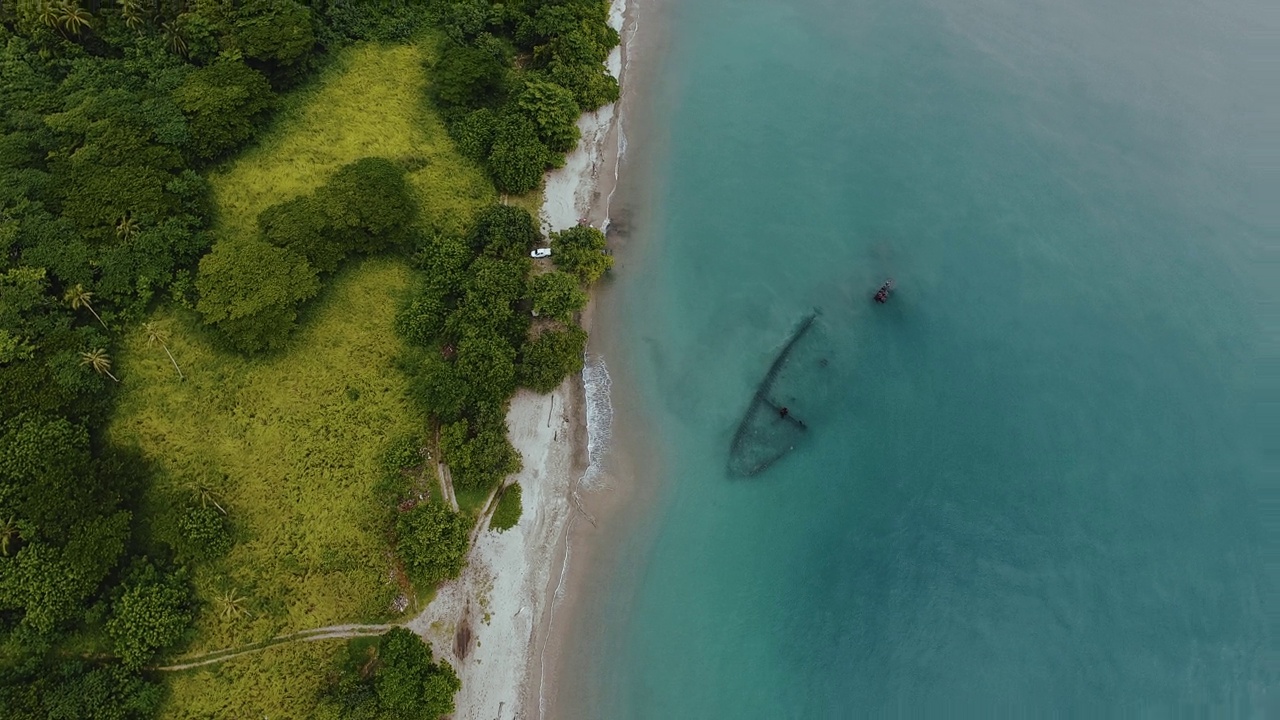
[290, 445]
[372, 101]
[278, 682]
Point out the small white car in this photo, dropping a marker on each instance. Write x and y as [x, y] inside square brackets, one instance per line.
[541, 253]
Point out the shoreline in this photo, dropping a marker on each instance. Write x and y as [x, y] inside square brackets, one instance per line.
[495, 622]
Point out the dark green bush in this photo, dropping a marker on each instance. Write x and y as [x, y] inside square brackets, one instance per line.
[504, 231]
[224, 103]
[77, 689]
[581, 250]
[421, 321]
[486, 363]
[518, 158]
[431, 539]
[251, 290]
[369, 203]
[554, 113]
[151, 614]
[204, 533]
[557, 295]
[467, 77]
[507, 514]
[474, 133]
[277, 33]
[302, 226]
[478, 457]
[551, 357]
[437, 385]
[69, 530]
[400, 683]
[385, 21]
[409, 684]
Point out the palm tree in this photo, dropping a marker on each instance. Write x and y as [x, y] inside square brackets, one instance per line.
[78, 297]
[173, 37]
[233, 605]
[100, 361]
[131, 11]
[158, 336]
[8, 533]
[206, 496]
[126, 228]
[48, 15]
[72, 18]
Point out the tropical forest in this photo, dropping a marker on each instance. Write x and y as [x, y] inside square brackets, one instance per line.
[264, 274]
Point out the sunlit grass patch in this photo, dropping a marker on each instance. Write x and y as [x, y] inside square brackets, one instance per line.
[372, 101]
[278, 682]
[291, 445]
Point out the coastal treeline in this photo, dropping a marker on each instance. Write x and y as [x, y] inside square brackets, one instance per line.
[112, 116]
[513, 78]
[477, 340]
[394, 678]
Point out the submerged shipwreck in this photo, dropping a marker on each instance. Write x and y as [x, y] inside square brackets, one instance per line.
[791, 389]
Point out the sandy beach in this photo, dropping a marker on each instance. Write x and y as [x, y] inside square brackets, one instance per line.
[483, 623]
[492, 623]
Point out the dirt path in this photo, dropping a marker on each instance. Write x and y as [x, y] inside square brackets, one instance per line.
[442, 472]
[331, 632]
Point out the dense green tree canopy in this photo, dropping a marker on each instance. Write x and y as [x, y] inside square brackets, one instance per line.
[475, 133]
[438, 385]
[69, 531]
[408, 683]
[432, 541]
[301, 225]
[277, 32]
[151, 613]
[504, 231]
[368, 203]
[76, 689]
[366, 206]
[468, 77]
[518, 157]
[552, 356]
[478, 457]
[554, 113]
[557, 295]
[401, 682]
[222, 102]
[251, 290]
[581, 250]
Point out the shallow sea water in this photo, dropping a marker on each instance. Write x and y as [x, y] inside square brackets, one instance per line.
[1039, 482]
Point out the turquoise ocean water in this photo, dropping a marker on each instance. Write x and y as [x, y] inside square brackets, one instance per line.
[1035, 479]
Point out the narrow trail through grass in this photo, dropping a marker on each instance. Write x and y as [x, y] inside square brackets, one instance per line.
[332, 632]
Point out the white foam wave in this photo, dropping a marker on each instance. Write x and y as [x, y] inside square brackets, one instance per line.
[599, 411]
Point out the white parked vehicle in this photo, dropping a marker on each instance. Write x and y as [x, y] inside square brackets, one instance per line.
[541, 253]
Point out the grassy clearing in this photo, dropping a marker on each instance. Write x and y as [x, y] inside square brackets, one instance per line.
[279, 682]
[370, 102]
[291, 445]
